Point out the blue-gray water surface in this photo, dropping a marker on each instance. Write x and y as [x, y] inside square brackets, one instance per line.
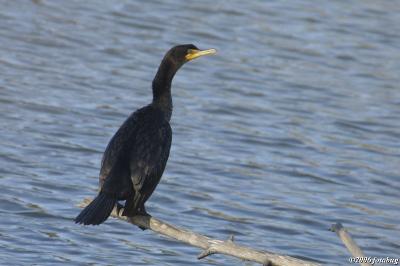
[292, 126]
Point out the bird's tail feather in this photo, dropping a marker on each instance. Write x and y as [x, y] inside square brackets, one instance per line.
[98, 210]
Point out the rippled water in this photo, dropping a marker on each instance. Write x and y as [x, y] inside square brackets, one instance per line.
[293, 126]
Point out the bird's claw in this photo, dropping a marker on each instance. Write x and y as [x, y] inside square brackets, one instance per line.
[119, 208]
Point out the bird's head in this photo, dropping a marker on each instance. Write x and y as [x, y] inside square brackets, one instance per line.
[181, 54]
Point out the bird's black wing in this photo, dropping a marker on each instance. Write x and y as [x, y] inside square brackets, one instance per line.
[115, 172]
[115, 179]
[148, 158]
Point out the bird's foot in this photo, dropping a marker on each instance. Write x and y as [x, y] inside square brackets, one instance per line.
[119, 208]
[142, 211]
[143, 228]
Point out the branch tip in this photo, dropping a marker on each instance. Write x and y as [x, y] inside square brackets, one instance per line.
[336, 227]
[206, 253]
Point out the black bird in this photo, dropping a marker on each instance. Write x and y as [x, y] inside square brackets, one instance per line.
[137, 154]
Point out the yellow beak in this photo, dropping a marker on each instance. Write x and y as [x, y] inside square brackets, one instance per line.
[192, 53]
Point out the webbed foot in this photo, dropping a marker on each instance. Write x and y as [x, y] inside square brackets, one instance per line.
[142, 211]
[119, 208]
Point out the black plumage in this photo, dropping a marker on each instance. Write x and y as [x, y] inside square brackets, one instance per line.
[137, 154]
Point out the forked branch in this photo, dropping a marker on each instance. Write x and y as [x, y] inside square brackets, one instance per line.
[208, 245]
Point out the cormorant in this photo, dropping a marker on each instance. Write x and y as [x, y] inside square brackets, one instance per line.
[136, 156]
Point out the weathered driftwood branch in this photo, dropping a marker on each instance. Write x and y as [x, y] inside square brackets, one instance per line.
[210, 246]
[355, 250]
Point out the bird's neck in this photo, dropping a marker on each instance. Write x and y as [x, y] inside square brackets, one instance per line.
[162, 98]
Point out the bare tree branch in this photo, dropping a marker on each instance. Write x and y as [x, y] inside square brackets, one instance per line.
[209, 246]
[355, 250]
